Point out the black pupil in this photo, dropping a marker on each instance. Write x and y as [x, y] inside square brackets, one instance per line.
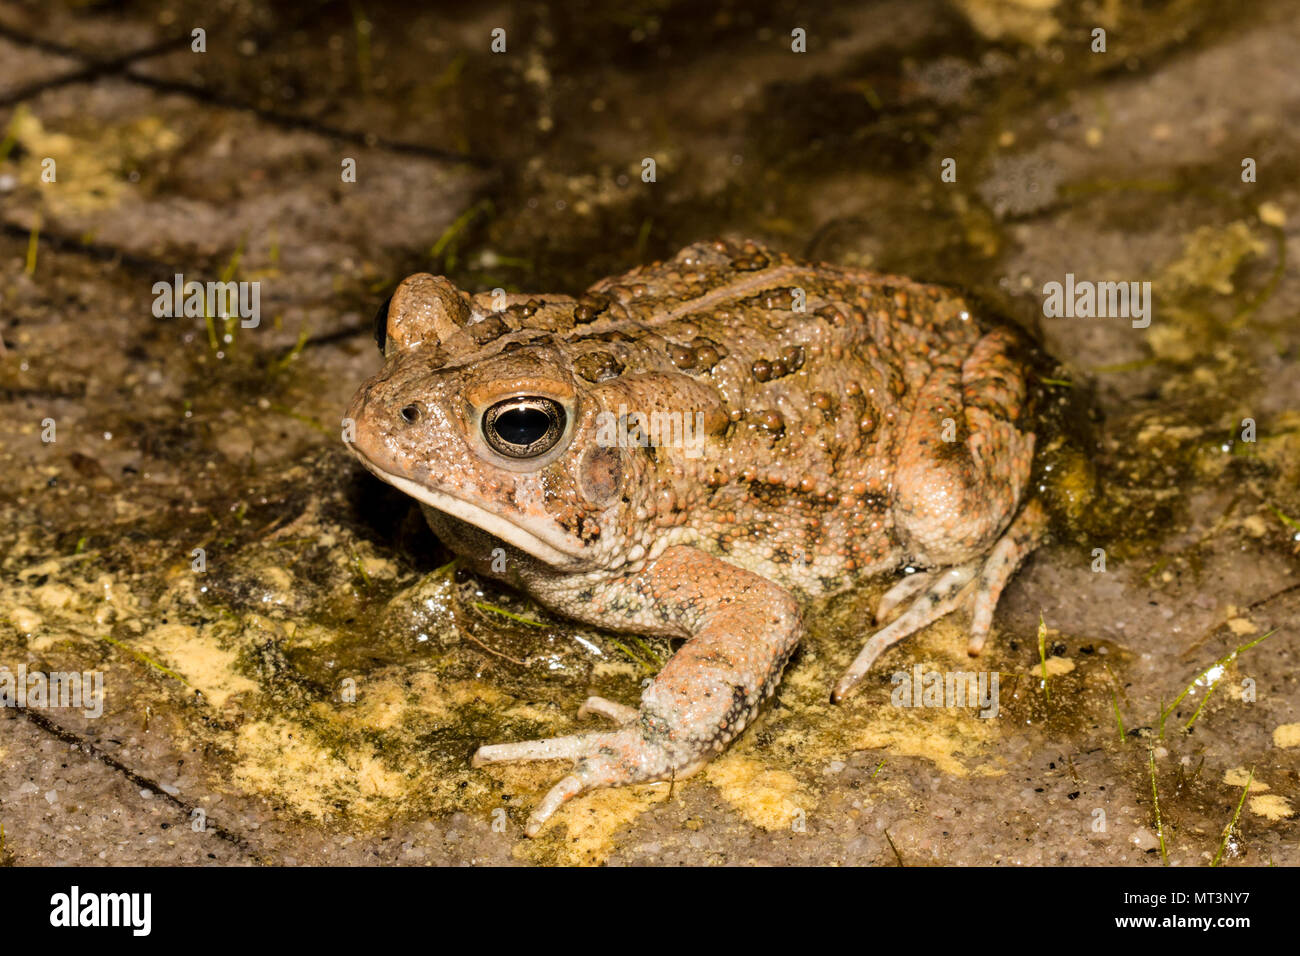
[522, 426]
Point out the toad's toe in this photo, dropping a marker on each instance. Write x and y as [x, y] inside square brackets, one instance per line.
[976, 586]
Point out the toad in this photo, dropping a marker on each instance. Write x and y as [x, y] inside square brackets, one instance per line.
[699, 448]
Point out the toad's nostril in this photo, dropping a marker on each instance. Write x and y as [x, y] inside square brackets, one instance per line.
[411, 414]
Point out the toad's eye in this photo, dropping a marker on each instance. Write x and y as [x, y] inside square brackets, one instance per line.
[381, 325]
[523, 427]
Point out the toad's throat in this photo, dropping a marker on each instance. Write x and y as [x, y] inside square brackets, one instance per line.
[496, 525]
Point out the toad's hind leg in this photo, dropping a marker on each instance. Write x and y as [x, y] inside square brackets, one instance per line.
[742, 629]
[975, 585]
[1024, 535]
[963, 462]
[964, 457]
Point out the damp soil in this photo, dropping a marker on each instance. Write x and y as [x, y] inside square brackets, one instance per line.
[295, 669]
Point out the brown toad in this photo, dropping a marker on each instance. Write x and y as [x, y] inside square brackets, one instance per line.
[696, 449]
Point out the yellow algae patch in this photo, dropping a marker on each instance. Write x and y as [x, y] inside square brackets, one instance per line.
[381, 705]
[377, 568]
[285, 761]
[1154, 433]
[50, 567]
[1271, 214]
[308, 635]
[90, 169]
[1286, 735]
[1056, 666]
[466, 692]
[936, 648]
[1271, 807]
[277, 579]
[817, 731]
[1209, 259]
[602, 669]
[440, 699]
[1237, 777]
[1028, 21]
[54, 596]
[434, 696]
[1255, 526]
[923, 740]
[589, 823]
[1242, 626]
[936, 734]
[767, 798]
[27, 621]
[201, 659]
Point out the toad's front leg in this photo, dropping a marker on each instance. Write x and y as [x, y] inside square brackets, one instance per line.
[742, 629]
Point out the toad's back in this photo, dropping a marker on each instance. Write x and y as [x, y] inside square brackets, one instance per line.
[817, 371]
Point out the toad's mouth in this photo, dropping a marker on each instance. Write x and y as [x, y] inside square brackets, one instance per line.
[494, 524]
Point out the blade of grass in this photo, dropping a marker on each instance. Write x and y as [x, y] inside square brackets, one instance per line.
[1155, 569]
[279, 365]
[518, 618]
[1221, 662]
[643, 238]
[898, 856]
[1155, 800]
[33, 243]
[230, 323]
[452, 232]
[647, 650]
[1285, 518]
[1124, 366]
[1204, 700]
[632, 656]
[211, 326]
[305, 419]
[1114, 703]
[870, 95]
[292, 542]
[1042, 655]
[148, 660]
[361, 569]
[1227, 831]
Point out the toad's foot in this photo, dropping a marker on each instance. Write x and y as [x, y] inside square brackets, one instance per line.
[641, 752]
[742, 629]
[976, 586]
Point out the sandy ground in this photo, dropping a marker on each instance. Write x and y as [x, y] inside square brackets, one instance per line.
[307, 689]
